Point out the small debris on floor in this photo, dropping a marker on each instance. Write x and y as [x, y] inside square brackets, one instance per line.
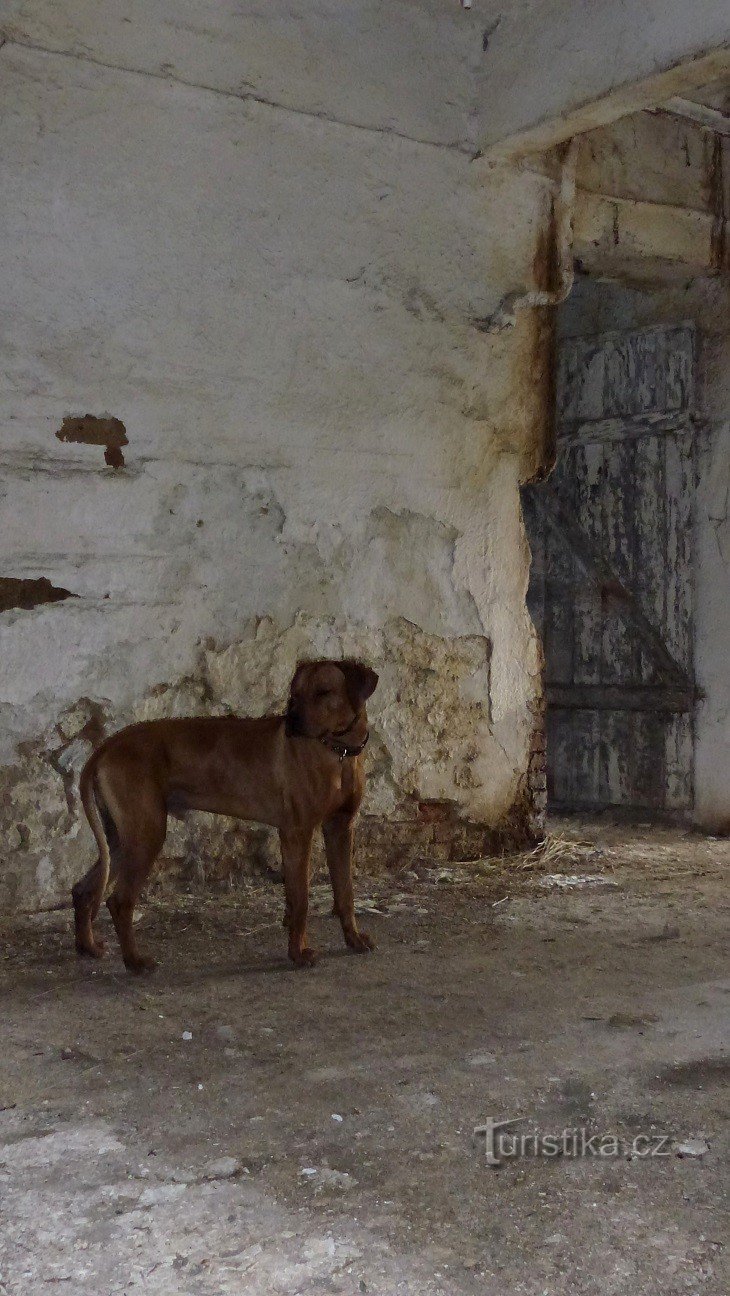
[336, 1179]
[224, 1168]
[622, 1020]
[574, 881]
[692, 1147]
[161, 1194]
[482, 1059]
[670, 931]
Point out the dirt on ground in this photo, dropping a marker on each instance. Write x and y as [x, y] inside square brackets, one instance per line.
[231, 1124]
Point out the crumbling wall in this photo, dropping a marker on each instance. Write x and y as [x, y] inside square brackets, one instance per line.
[271, 309]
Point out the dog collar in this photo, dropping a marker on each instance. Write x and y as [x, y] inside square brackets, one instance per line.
[343, 750]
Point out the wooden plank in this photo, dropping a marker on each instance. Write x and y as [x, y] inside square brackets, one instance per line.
[617, 503]
[620, 376]
[571, 431]
[588, 614]
[580, 379]
[648, 373]
[619, 697]
[560, 784]
[592, 560]
[649, 391]
[619, 380]
[650, 543]
[711, 118]
[680, 479]
[567, 382]
[615, 767]
[619, 635]
[559, 605]
[647, 756]
[679, 369]
[678, 761]
[583, 756]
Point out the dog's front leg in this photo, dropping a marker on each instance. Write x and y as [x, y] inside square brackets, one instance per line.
[338, 838]
[296, 849]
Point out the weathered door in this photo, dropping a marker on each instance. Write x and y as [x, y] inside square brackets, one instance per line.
[611, 583]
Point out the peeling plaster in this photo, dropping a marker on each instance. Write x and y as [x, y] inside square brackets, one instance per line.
[432, 741]
[440, 733]
[26, 594]
[87, 429]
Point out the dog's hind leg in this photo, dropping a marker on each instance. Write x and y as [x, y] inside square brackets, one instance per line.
[87, 895]
[140, 842]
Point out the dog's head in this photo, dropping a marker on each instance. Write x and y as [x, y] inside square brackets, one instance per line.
[327, 700]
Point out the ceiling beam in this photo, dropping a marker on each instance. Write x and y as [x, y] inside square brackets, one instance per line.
[711, 118]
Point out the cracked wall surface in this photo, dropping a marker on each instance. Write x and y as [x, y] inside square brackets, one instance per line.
[322, 453]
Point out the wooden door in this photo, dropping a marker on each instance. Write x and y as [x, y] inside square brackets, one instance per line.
[611, 583]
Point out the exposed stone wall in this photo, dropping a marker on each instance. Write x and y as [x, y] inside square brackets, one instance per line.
[272, 312]
[429, 761]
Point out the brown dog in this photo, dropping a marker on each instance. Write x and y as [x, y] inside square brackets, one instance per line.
[296, 772]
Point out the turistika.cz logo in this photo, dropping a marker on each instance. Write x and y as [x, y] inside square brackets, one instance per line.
[504, 1143]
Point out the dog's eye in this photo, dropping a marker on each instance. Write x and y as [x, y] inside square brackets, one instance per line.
[322, 693]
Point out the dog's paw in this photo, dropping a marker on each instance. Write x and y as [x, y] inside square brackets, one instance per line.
[91, 949]
[360, 942]
[304, 958]
[141, 965]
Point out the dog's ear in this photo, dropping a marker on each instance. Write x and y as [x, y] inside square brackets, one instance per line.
[300, 678]
[361, 680]
[293, 722]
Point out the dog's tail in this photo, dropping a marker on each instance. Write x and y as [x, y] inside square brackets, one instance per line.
[96, 812]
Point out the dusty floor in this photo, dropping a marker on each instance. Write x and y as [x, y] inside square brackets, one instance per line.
[315, 1133]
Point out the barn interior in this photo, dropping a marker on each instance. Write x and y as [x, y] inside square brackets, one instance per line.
[398, 332]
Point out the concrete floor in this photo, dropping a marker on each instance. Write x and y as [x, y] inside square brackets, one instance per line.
[315, 1133]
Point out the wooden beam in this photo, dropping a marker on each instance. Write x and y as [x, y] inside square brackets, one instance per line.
[628, 428]
[620, 697]
[711, 118]
[535, 96]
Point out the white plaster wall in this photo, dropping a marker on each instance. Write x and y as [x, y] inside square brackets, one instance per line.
[323, 452]
[407, 67]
